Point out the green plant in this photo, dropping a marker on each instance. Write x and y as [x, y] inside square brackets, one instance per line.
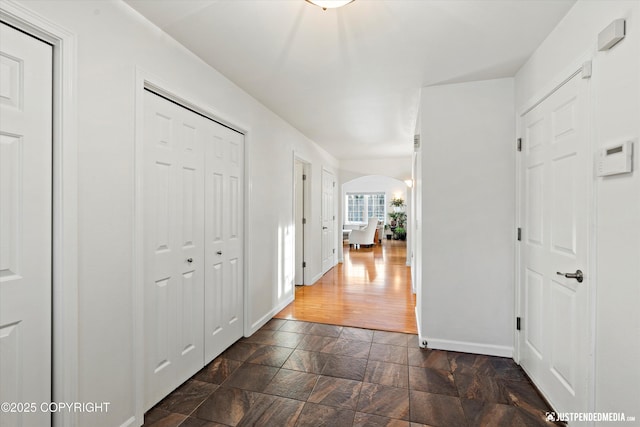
[397, 202]
[400, 218]
[401, 233]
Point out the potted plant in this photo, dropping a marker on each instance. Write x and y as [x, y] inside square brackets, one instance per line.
[397, 204]
[388, 231]
[401, 233]
[398, 219]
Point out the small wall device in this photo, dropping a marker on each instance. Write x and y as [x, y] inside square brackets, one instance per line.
[615, 159]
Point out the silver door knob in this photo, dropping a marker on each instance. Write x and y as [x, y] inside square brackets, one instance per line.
[577, 275]
[189, 260]
[219, 252]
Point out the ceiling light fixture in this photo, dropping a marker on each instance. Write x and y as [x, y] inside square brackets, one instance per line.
[329, 4]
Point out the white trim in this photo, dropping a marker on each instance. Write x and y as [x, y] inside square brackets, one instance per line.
[470, 347]
[65, 203]
[264, 319]
[146, 80]
[129, 422]
[306, 203]
[574, 68]
[421, 338]
[315, 278]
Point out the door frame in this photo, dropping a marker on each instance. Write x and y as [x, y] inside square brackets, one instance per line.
[64, 297]
[147, 80]
[334, 215]
[306, 213]
[574, 69]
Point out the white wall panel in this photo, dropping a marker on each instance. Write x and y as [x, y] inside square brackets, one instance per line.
[468, 210]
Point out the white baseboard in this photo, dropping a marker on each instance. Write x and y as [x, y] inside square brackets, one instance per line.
[469, 347]
[421, 337]
[264, 319]
[129, 422]
[314, 279]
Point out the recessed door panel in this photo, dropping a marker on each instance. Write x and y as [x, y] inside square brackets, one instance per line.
[534, 295]
[563, 356]
[535, 205]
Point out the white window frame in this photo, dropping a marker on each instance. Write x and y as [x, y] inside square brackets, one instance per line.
[365, 208]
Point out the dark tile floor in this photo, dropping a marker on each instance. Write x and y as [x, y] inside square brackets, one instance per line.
[293, 373]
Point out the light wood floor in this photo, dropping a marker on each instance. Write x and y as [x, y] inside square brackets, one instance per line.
[371, 289]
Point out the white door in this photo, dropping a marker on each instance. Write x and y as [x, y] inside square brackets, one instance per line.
[174, 245]
[25, 225]
[555, 172]
[328, 221]
[224, 235]
[299, 178]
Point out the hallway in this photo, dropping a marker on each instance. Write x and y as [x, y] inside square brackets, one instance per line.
[371, 289]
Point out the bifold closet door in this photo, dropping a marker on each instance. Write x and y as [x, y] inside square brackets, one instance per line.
[224, 207]
[193, 243]
[26, 67]
[174, 270]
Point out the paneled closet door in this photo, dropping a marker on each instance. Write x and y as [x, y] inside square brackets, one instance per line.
[174, 271]
[224, 225]
[26, 66]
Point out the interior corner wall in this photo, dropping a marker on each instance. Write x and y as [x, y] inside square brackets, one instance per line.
[467, 205]
[615, 117]
[113, 41]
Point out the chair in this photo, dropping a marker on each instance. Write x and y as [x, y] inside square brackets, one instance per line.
[364, 236]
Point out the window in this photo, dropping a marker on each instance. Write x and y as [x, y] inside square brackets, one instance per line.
[362, 206]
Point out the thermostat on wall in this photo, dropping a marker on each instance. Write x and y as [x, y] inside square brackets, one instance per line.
[615, 159]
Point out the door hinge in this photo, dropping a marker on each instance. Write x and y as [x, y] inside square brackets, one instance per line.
[334, 183]
[304, 264]
[334, 250]
[519, 144]
[517, 323]
[304, 177]
[304, 220]
[334, 217]
[519, 234]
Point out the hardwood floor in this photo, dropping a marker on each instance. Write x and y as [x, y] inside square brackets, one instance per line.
[371, 289]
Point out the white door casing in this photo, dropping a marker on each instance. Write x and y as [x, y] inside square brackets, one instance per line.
[174, 246]
[25, 224]
[328, 221]
[224, 237]
[554, 205]
[298, 189]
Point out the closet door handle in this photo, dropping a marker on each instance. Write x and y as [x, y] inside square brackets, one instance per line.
[189, 260]
[219, 252]
[577, 275]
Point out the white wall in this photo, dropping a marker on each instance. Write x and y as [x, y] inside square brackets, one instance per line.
[466, 226]
[394, 167]
[112, 41]
[615, 100]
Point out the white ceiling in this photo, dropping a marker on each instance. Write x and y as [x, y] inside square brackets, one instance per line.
[350, 78]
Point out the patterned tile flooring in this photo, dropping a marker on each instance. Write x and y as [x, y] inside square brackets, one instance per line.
[293, 373]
